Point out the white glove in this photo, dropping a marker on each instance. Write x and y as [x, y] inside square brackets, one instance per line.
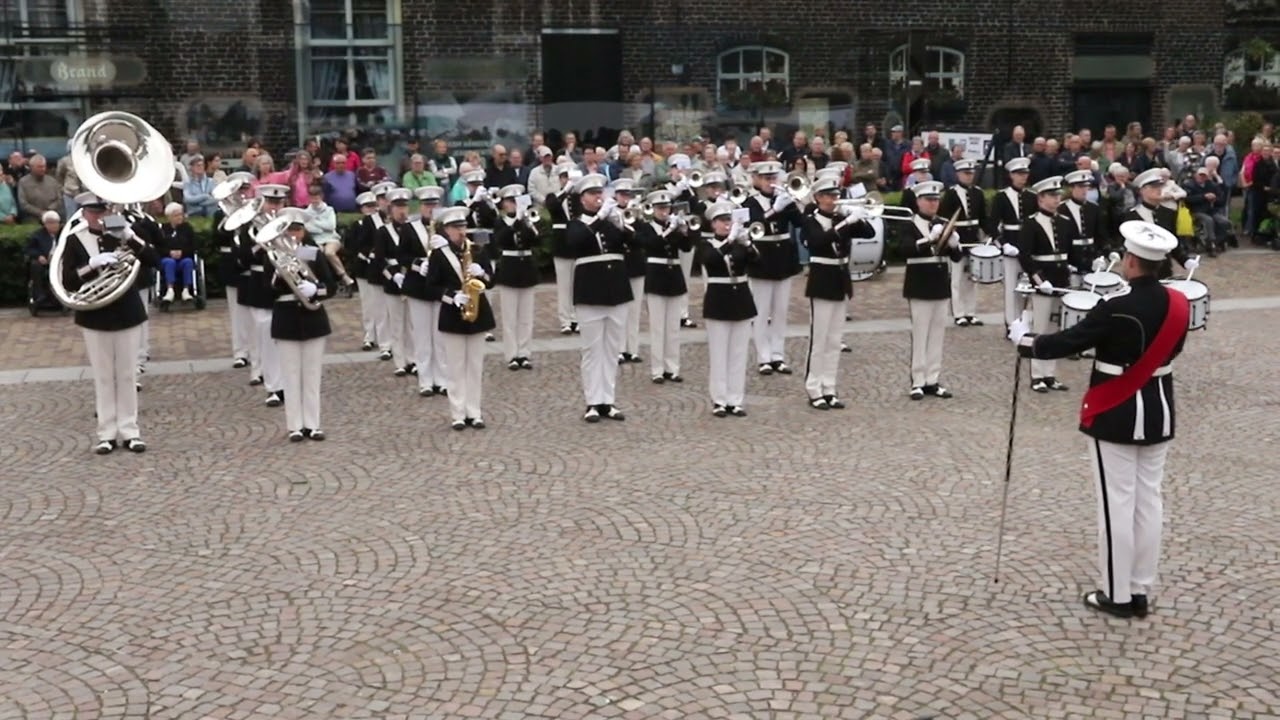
[461, 299]
[682, 186]
[853, 213]
[935, 232]
[678, 222]
[103, 259]
[1045, 287]
[422, 268]
[1099, 264]
[782, 202]
[474, 270]
[735, 230]
[1009, 250]
[398, 278]
[1017, 329]
[607, 207]
[307, 289]
[437, 242]
[953, 242]
[1073, 269]
[481, 193]
[1192, 263]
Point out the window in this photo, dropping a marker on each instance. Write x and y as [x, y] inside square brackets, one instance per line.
[351, 63]
[753, 70]
[943, 70]
[32, 112]
[1251, 80]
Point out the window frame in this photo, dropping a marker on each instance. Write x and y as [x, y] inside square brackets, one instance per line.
[944, 80]
[1269, 75]
[349, 45]
[763, 76]
[18, 45]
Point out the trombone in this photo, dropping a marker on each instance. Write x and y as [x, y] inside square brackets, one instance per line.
[876, 208]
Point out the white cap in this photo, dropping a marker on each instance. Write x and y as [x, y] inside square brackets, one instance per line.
[679, 160]
[825, 185]
[965, 165]
[452, 216]
[565, 168]
[1021, 164]
[928, 189]
[921, 165]
[1053, 184]
[1147, 240]
[720, 208]
[429, 193]
[88, 199]
[658, 197]
[366, 198]
[715, 177]
[1115, 169]
[829, 172]
[271, 191]
[1078, 177]
[835, 166]
[382, 188]
[542, 151]
[50, 216]
[473, 177]
[591, 181]
[172, 208]
[1154, 176]
[766, 167]
[295, 215]
[624, 185]
[399, 196]
[511, 192]
[241, 175]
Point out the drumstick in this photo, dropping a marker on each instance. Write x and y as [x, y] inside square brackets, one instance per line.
[1028, 289]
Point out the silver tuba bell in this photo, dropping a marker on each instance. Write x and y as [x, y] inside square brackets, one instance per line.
[282, 251]
[126, 162]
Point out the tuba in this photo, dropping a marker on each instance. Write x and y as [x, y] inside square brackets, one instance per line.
[471, 286]
[282, 251]
[126, 162]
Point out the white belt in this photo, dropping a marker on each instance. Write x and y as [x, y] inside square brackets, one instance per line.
[966, 223]
[290, 299]
[774, 238]
[828, 261]
[256, 268]
[226, 250]
[926, 260]
[558, 226]
[726, 280]
[607, 257]
[362, 256]
[517, 253]
[1011, 227]
[1082, 241]
[663, 261]
[1060, 257]
[1109, 369]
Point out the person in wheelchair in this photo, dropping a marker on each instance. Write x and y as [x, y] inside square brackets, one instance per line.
[39, 247]
[1204, 196]
[178, 258]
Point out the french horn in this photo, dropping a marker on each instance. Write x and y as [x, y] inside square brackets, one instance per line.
[122, 159]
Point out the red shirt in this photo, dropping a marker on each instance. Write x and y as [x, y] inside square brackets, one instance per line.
[366, 178]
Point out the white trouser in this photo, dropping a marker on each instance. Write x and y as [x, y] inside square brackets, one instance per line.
[466, 372]
[144, 335]
[241, 325]
[928, 330]
[1130, 513]
[772, 299]
[727, 361]
[113, 355]
[397, 325]
[517, 322]
[1043, 307]
[664, 332]
[686, 267]
[964, 291]
[375, 299]
[367, 307]
[603, 332]
[1013, 301]
[268, 353]
[564, 290]
[826, 330]
[300, 364]
[428, 343]
[632, 344]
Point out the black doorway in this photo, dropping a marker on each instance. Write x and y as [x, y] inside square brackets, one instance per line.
[1095, 107]
[582, 83]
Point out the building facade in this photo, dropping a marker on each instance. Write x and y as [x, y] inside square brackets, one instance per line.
[475, 72]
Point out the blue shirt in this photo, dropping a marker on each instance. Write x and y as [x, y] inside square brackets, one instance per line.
[340, 191]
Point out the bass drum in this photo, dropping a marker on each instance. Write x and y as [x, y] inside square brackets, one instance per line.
[866, 254]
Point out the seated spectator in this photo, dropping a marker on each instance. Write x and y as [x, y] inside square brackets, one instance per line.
[38, 190]
[370, 172]
[8, 203]
[417, 176]
[179, 258]
[197, 191]
[322, 225]
[1203, 197]
[39, 248]
[213, 168]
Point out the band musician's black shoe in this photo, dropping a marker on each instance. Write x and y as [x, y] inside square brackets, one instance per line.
[592, 415]
[937, 391]
[819, 404]
[612, 413]
[673, 377]
[962, 322]
[367, 346]
[104, 447]
[1098, 600]
[737, 411]
[514, 364]
[765, 369]
[458, 425]
[426, 392]
[917, 393]
[1040, 385]
[574, 327]
[1053, 384]
[658, 379]
[401, 371]
[477, 424]
[384, 355]
[1140, 607]
[135, 445]
[525, 363]
[781, 367]
[316, 435]
[256, 381]
[688, 323]
[834, 402]
[975, 321]
[296, 436]
[239, 363]
[566, 329]
[719, 411]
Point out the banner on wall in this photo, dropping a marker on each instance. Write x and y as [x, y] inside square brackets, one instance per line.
[977, 145]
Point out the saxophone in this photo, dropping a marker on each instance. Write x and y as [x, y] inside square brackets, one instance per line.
[472, 286]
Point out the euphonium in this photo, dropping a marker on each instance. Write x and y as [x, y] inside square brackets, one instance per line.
[472, 286]
[126, 162]
[282, 251]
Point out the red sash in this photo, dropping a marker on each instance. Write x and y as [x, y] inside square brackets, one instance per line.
[1112, 393]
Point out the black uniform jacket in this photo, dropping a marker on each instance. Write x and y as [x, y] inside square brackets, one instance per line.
[829, 254]
[662, 245]
[779, 255]
[972, 205]
[289, 319]
[226, 242]
[516, 241]
[557, 205]
[146, 227]
[723, 262]
[1121, 327]
[256, 273]
[1042, 251]
[365, 234]
[1090, 238]
[1165, 218]
[444, 276]
[1008, 211]
[388, 242]
[635, 258]
[603, 281]
[928, 274]
[127, 311]
[415, 249]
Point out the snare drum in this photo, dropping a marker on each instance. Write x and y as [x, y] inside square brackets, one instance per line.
[1075, 305]
[1103, 283]
[866, 254]
[986, 266]
[1198, 295]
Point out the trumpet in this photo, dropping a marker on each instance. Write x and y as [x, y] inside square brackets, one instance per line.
[630, 216]
[646, 209]
[876, 208]
[695, 179]
[756, 231]
[533, 216]
[693, 222]
[738, 195]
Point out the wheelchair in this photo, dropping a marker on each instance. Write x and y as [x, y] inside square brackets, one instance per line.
[199, 295]
[42, 301]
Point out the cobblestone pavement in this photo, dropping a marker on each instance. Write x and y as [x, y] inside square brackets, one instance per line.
[790, 564]
[50, 341]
